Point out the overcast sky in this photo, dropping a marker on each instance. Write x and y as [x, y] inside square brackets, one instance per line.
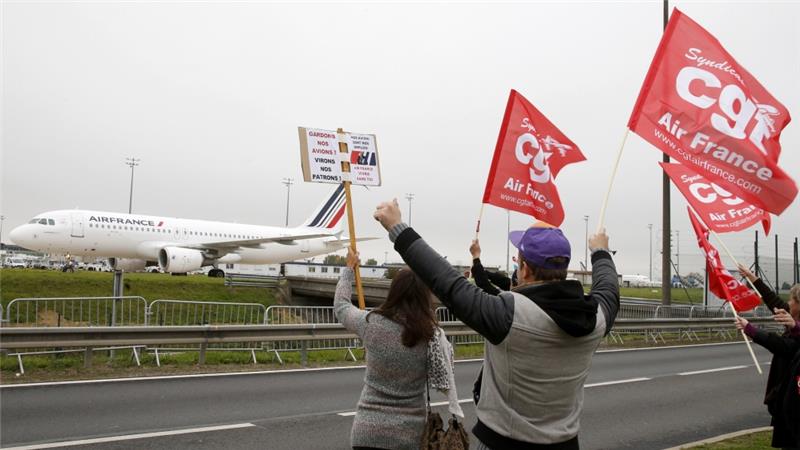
[210, 95]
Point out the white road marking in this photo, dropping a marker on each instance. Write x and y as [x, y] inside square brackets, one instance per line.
[127, 437]
[719, 369]
[469, 400]
[609, 383]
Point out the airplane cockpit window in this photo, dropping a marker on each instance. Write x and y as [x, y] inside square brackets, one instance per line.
[51, 222]
[43, 221]
[34, 220]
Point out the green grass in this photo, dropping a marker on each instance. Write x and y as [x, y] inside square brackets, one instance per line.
[16, 283]
[754, 441]
[678, 295]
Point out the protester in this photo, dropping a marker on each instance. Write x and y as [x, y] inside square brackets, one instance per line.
[391, 411]
[782, 386]
[541, 337]
[491, 282]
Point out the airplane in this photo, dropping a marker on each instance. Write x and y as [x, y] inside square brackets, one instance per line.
[133, 242]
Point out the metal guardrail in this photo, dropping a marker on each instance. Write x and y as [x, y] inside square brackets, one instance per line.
[12, 338]
[243, 279]
[76, 311]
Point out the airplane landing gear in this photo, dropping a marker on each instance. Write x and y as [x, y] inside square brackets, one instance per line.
[216, 273]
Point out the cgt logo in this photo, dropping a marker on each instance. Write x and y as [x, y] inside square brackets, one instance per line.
[738, 111]
[708, 193]
[539, 169]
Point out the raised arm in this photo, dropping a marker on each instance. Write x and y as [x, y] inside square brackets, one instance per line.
[768, 296]
[489, 315]
[605, 284]
[478, 272]
[348, 315]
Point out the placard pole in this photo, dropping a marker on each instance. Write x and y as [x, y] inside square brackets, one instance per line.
[350, 220]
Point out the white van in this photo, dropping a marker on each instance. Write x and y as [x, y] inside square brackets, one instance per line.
[15, 263]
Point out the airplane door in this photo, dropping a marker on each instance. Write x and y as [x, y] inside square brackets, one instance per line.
[77, 225]
[305, 246]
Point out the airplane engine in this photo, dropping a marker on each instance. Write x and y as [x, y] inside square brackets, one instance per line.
[127, 264]
[179, 260]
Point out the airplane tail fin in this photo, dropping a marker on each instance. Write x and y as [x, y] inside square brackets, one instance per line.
[330, 212]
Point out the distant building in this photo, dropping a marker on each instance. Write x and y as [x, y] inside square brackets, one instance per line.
[301, 269]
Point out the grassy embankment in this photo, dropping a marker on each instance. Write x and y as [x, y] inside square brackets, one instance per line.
[16, 283]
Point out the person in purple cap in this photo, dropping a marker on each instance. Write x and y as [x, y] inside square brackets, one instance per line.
[540, 336]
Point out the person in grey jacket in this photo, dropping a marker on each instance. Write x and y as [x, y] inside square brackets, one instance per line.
[540, 336]
[391, 411]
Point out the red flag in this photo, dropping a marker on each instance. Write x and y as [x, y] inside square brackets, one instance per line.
[699, 106]
[530, 153]
[720, 281]
[722, 211]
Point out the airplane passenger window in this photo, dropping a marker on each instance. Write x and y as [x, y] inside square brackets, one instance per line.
[51, 222]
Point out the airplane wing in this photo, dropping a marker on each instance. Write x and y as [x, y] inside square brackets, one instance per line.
[254, 243]
[347, 239]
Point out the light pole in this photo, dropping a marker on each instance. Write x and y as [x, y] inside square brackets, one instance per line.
[288, 182]
[132, 162]
[409, 197]
[2, 218]
[650, 226]
[586, 244]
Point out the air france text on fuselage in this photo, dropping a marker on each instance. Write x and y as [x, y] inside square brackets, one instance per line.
[124, 221]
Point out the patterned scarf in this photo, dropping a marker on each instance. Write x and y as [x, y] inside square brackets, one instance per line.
[438, 370]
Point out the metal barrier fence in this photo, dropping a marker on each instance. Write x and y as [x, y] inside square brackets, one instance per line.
[297, 315]
[187, 313]
[183, 312]
[76, 312]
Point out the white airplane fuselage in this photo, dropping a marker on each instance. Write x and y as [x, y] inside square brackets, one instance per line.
[141, 237]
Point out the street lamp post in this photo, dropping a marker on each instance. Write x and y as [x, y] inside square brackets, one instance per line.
[288, 182]
[650, 226]
[409, 197]
[586, 244]
[2, 218]
[131, 162]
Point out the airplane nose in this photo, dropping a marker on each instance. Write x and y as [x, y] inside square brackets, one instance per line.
[16, 235]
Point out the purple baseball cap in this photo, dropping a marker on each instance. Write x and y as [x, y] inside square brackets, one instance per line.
[538, 245]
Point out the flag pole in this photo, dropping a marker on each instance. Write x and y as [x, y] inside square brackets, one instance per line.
[478, 226]
[735, 314]
[611, 181]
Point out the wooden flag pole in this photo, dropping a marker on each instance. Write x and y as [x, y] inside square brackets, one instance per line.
[611, 181]
[735, 313]
[478, 226]
[350, 220]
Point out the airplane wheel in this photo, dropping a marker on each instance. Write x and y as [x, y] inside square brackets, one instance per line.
[216, 273]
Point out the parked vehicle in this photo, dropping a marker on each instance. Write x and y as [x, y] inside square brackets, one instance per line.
[15, 263]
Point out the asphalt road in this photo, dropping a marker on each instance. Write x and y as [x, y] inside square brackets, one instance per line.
[643, 399]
